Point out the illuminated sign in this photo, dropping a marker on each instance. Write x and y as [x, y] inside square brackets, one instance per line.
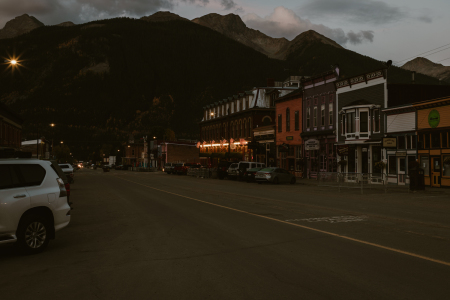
[389, 142]
[434, 118]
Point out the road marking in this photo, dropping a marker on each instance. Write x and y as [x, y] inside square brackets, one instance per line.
[338, 219]
[304, 227]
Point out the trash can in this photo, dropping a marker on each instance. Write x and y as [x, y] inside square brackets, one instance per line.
[416, 179]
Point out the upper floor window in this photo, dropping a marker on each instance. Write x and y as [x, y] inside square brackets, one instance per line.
[322, 114]
[280, 123]
[308, 117]
[331, 98]
[315, 116]
[376, 120]
[297, 120]
[238, 106]
[364, 121]
[351, 122]
[232, 107]
[288, 119]
[330, 114]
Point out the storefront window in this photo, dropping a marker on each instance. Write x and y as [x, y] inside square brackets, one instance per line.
[351, 161]
[425, 165]
[392, 166]
[401, 142]
[446, 165]
[411, 161]
[436, 140]
[445, 140]
[426, 141]
[297, 122]
[330, 113]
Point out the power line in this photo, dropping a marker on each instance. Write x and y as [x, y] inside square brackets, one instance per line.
[399, 61]
[443, 59]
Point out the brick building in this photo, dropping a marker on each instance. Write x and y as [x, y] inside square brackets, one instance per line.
[229, 124]
[288, 129]
[319, 107]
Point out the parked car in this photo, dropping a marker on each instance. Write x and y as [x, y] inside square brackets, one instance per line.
[106, 168]
[34, 203]
[237, 170]
[168, 167]
[222, 169]
[274, 175]
[182, 168]
[249, 175]
[68, 170]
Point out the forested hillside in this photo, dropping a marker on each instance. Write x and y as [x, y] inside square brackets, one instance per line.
[146, 77]
[102, 81]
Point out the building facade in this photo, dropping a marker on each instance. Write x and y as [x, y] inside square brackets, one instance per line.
[228, 125]
[433, 130]
[358, 122]
[319, 136]
[400, 142]
[288, 129]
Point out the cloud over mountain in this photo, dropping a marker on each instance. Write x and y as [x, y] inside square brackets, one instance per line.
[283, 22]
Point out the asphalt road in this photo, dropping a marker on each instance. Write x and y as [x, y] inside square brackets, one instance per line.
[158, 236]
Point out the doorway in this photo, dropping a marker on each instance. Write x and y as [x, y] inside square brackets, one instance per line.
[401, 170]
[436, 171]
[365, 161]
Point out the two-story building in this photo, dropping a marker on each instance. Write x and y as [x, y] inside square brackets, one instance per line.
[319, 107]
[229, 124]
[358, 122]
[288, 129]
[433, 133]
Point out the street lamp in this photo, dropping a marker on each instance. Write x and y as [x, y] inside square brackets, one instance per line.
[62, 142]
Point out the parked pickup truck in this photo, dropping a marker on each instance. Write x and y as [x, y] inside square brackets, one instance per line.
[182, 168]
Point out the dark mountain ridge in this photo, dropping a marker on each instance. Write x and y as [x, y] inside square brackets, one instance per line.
[103, 81]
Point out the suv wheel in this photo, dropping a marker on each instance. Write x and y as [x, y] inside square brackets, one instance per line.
[293, 180]
[33, 234]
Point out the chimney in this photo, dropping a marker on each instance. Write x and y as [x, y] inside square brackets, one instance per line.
[270, 82]
[413, 75]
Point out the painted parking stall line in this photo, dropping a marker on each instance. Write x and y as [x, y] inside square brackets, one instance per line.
[441, 262]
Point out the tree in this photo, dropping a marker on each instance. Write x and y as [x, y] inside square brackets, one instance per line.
[62, 154]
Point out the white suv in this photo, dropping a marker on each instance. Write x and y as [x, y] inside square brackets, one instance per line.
[237, 170]
[33, 201]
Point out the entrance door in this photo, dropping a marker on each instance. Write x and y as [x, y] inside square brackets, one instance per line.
[323, 163]
[365, 161]
[401, 170]
[436, 171]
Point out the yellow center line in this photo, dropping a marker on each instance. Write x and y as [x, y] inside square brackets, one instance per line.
[302, 226]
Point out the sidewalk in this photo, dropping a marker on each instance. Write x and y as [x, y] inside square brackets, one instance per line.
[391, 187]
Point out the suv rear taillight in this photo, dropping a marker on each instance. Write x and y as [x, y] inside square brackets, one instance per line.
[62, 188]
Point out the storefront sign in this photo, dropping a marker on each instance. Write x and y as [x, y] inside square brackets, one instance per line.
[342, 150]
[290, 138]
[400, 154]
[434, 118]
[389, 142]
[312, 144]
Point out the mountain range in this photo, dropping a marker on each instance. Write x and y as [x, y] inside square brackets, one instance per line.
[105, 80]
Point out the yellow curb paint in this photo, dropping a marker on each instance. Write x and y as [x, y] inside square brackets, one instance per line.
[305, 227]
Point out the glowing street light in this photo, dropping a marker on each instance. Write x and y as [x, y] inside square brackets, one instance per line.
[62, 142]
[52, 125]
[13, 62]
